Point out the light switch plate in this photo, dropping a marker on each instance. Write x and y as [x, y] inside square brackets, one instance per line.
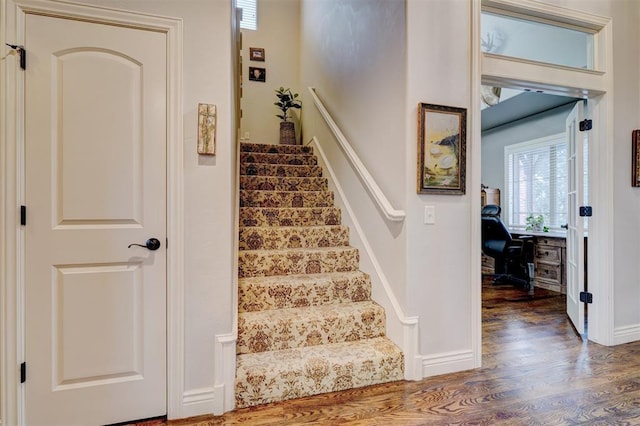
[429, 215]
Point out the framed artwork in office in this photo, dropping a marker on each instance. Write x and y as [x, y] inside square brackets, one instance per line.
[442, 147]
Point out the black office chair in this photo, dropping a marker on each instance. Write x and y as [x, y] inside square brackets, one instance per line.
[512, 255]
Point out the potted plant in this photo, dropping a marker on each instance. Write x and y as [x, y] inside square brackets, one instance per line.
[286, 101]
[535, 223]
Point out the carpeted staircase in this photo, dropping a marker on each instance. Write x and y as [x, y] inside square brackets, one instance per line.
[306, 323]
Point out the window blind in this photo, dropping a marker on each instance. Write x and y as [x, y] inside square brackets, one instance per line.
[536, 180]
[249, 14]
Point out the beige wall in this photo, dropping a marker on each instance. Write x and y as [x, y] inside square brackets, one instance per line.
[279, 34]
[438, 256]
[353, 53]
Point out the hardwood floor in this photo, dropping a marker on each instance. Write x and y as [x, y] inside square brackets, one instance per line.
[536, 371]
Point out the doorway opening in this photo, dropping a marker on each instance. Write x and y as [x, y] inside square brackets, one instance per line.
[526, 171]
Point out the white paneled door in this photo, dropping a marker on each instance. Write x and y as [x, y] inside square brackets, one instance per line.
[95, 182]
[575, 224]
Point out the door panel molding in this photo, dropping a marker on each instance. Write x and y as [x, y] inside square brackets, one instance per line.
[12, 194]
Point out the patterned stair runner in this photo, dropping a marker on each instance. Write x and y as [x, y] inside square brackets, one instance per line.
[306, 321]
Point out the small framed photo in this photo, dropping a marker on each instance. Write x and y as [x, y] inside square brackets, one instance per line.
[256, 54]
[257, 74]
[441, 149]
[635, 158]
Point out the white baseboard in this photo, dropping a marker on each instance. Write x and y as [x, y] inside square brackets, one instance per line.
[198, 402]
[626, 334]
[447, 362]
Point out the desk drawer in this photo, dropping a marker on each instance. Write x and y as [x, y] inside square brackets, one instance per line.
[548, 271]
[549, 241]
[548, 253]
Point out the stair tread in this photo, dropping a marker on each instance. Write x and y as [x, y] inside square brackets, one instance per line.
[279, 191]
[296, 278]
[270, 237]
[341, 350]
[311, 312]
[287, 291]
[298, 216]
[283, 183]
[292, 159]
[294, 373]
[259, 198]
[303, 209]
[311, 228]
[298, 250]
[264, 147]
[279, 329]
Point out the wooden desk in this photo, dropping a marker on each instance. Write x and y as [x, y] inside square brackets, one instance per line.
[549, 260]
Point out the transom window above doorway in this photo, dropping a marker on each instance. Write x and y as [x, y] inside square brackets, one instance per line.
[536, 41]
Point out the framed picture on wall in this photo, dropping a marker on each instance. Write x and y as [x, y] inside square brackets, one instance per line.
[257, 74]
[256, 54]
[441, 149]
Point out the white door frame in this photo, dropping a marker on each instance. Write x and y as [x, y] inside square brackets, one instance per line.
[12, 195]
[597, 86]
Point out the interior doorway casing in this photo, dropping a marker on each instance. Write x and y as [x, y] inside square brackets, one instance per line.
[593, 85]
[12, 195]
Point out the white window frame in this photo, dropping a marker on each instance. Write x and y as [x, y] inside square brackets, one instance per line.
[249, 19]
[518, 148]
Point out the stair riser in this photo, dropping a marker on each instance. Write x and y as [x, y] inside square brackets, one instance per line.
[288, 159]
[273, 238]
[261, 295]
[252, 169]
[263, 183]
[290, 374]
[286, 199]
[276, 149]
[263, 263]
[252, 216]
[257, 334]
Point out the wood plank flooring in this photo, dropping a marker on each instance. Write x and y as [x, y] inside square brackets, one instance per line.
[536, 371]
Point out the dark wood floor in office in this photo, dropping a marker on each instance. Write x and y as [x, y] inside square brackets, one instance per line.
[536, 371]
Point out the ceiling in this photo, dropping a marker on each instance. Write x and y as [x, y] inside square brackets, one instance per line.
[521, 106]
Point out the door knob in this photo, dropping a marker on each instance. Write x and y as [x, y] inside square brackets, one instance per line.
[151, 244]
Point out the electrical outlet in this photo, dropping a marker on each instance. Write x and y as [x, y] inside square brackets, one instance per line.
[429, 215]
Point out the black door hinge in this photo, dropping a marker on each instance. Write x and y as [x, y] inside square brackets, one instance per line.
[22, 53]
[586, 125]
[586, 211]
[23, 372]
[586, 297]
[23, 215]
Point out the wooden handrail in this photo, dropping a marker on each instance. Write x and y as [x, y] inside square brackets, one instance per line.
[385, 206]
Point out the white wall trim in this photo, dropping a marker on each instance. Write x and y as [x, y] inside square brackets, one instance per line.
[12, 193]
[198, 401]
[599, 89]
[475, 174]
[447, 362]
[629, 333]
[225, 373]
[408, 341]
